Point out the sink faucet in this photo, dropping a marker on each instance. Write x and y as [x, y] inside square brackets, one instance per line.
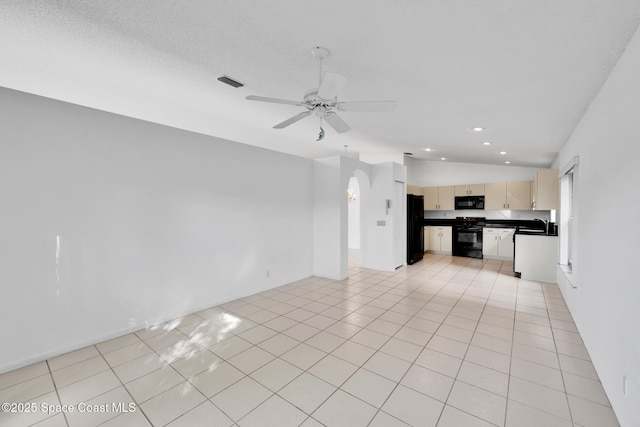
[546, 224]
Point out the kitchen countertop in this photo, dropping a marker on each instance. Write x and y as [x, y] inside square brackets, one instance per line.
[536, 232]
[522, 226]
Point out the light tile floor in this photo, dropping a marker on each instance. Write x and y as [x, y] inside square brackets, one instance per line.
[446, 342]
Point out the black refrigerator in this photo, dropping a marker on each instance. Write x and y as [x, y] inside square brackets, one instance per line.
[415, 228]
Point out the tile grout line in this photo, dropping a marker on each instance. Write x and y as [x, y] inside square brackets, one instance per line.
[564, 386]
[55, 387]
[513, 340]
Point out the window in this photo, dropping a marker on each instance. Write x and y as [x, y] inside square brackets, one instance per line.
[568, 219]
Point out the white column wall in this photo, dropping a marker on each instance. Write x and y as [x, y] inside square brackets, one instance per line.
[378, 241]
[109, 224]
[605, 303]
[328, 227]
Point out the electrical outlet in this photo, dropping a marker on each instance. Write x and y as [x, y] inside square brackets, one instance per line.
[624, 385]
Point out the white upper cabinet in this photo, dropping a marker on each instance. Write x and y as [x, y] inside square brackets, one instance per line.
[412, 189]
[446, 198]
[519, 195]
[495, 196]
[439, 198]
[469, 190]
[430, 198]
[546, 190]
[514, 195]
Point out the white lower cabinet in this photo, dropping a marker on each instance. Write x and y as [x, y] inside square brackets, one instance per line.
[440, 239]
[427, 231]
[497, 243]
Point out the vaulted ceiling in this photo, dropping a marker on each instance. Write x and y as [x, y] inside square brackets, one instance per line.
[524, 70]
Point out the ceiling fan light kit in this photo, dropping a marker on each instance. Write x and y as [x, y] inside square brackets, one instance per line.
[323, 100]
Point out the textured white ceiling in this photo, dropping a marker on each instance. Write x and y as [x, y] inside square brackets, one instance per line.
[525, 70]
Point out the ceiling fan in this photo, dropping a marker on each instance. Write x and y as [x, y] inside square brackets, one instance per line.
[323, 101]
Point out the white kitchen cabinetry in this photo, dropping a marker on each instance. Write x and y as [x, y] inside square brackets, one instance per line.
[497, 243]
[469, 190]
[546, 190]
[508, 195]
[412, 189]
[427, 233]
[440, 239]
[439, 198]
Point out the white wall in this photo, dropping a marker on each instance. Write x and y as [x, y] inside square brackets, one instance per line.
[327, 219]
[428, 173]
[375, 158]
[605, 305]
[152, 223]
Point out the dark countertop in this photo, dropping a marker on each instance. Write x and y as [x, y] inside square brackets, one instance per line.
[522, 226]
[430, 221]
[535, 232]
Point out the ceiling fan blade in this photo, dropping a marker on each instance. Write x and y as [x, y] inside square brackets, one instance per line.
[336, 122]
[276, 100]
[367, 106]
[293, 119]
[331, 85]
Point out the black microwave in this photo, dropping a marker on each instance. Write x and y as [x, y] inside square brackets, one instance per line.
[469, 202]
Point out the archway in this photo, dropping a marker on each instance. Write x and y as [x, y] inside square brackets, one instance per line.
[358, 189]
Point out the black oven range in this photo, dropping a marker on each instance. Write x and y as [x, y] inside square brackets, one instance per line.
[467, 236]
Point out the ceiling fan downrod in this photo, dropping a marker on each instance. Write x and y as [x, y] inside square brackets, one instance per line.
[320, 53]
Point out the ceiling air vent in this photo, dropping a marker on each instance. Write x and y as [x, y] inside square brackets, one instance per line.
[230, 81]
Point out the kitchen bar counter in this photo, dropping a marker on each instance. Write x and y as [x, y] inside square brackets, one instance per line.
[536, 256]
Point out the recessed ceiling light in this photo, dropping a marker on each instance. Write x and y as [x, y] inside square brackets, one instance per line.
[477, 129]
[443, 158]
[508, 162]
[503, 152]
[486, 143]
[428, 149]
